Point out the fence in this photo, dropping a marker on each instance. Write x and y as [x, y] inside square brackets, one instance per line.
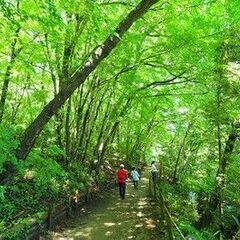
[156, 192]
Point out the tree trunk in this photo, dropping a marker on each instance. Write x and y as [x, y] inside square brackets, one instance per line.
[67, 128]
[92, 127]
[215, 200]
[103, 126]
[216, 197]
[111, 135]
[6, 80]
[179, 153]
[79, 106]
[95, 58]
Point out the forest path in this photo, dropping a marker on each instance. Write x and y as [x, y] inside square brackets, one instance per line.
[115, 219]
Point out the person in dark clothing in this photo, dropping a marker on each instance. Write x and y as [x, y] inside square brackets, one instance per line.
[154, 172]
[122, 176]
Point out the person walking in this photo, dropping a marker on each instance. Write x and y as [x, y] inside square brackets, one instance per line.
[122, 176]
[135, 177]
[154, 171]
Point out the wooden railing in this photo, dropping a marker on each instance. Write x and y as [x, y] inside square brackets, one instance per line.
[54, 217]
[156, 193]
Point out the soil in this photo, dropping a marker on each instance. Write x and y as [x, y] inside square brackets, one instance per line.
[113, 218]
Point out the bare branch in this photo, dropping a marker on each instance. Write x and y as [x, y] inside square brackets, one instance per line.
[158, 83]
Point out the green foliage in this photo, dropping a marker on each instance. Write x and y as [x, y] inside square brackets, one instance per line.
[40, 184]
[178, 65]
[190, 231]
[232, 182]
[47, 180]
[8, 144]
[79, 178]
[21, 228]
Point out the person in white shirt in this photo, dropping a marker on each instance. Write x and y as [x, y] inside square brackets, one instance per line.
[154, 171]
[135, 177]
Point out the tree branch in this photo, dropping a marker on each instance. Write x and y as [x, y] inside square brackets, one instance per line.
[79, 77]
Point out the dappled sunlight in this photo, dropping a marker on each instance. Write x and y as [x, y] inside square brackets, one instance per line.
[86, 232]
[109, 224]
[82, 234]
[116, 218]
[144, 181]
[139, 225]
[83, 210]
[140, 214]
[143, 199]
[63, 238]
[111, 208]
[142, 202]
[132, 195]
[150, 223]
[108, 233]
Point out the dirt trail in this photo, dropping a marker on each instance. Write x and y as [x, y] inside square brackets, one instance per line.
[115, 219]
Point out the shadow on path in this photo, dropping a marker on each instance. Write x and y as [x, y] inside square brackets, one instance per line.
[115, 219]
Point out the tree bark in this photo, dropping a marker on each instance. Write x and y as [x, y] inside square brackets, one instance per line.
[92, 127]
[79, 106]
[67, 128]
[111, 135]
[179, 153]
[95, 58]
[14, 54]
[104, 125]
[216, 199]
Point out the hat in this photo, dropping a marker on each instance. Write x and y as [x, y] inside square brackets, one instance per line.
[121, 166]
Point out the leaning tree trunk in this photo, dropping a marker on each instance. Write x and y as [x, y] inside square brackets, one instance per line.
[95, 58]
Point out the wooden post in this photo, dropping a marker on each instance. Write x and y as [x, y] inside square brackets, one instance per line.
[49, 217]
